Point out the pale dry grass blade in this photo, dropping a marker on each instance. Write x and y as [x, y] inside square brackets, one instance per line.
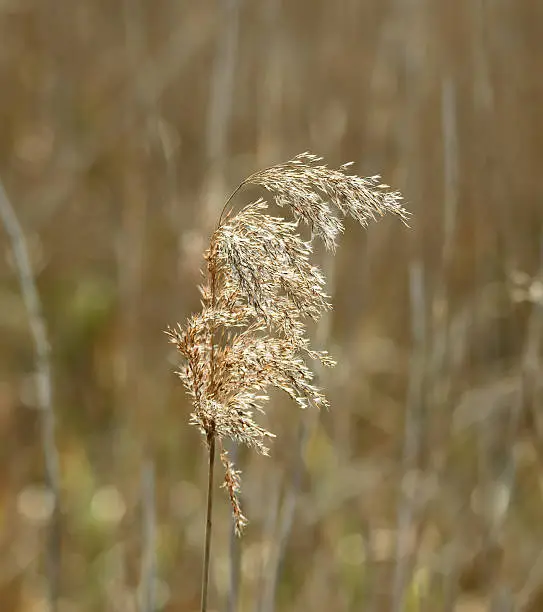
[44, 385]
[413, 430]
[149, 539]
[221, 104]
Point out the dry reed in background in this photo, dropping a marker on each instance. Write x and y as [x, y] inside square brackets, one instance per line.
[259, 292]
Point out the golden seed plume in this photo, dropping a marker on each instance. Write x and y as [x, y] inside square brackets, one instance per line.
[260, 290]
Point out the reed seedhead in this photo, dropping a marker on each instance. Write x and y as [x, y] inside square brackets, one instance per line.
[259, 293]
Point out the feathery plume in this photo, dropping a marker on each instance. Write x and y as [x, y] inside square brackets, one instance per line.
[260, 291]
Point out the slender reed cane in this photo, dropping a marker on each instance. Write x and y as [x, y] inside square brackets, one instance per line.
[260, 291]
[209, 516]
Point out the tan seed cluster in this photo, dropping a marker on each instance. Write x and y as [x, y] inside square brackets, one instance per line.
[260, 290]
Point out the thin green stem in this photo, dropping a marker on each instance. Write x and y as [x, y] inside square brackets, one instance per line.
[209, 513]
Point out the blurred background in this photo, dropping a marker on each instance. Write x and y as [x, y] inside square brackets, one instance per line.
[123, 128]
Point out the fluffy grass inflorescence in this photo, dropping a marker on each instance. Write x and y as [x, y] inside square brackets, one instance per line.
[260, 290]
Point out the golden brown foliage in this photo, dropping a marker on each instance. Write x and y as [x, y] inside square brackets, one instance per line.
[260, 290]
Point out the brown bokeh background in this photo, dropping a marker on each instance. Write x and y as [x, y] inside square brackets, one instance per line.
[123, 128]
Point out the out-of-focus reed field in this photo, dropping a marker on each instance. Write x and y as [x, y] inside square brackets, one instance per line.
[123, 128]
